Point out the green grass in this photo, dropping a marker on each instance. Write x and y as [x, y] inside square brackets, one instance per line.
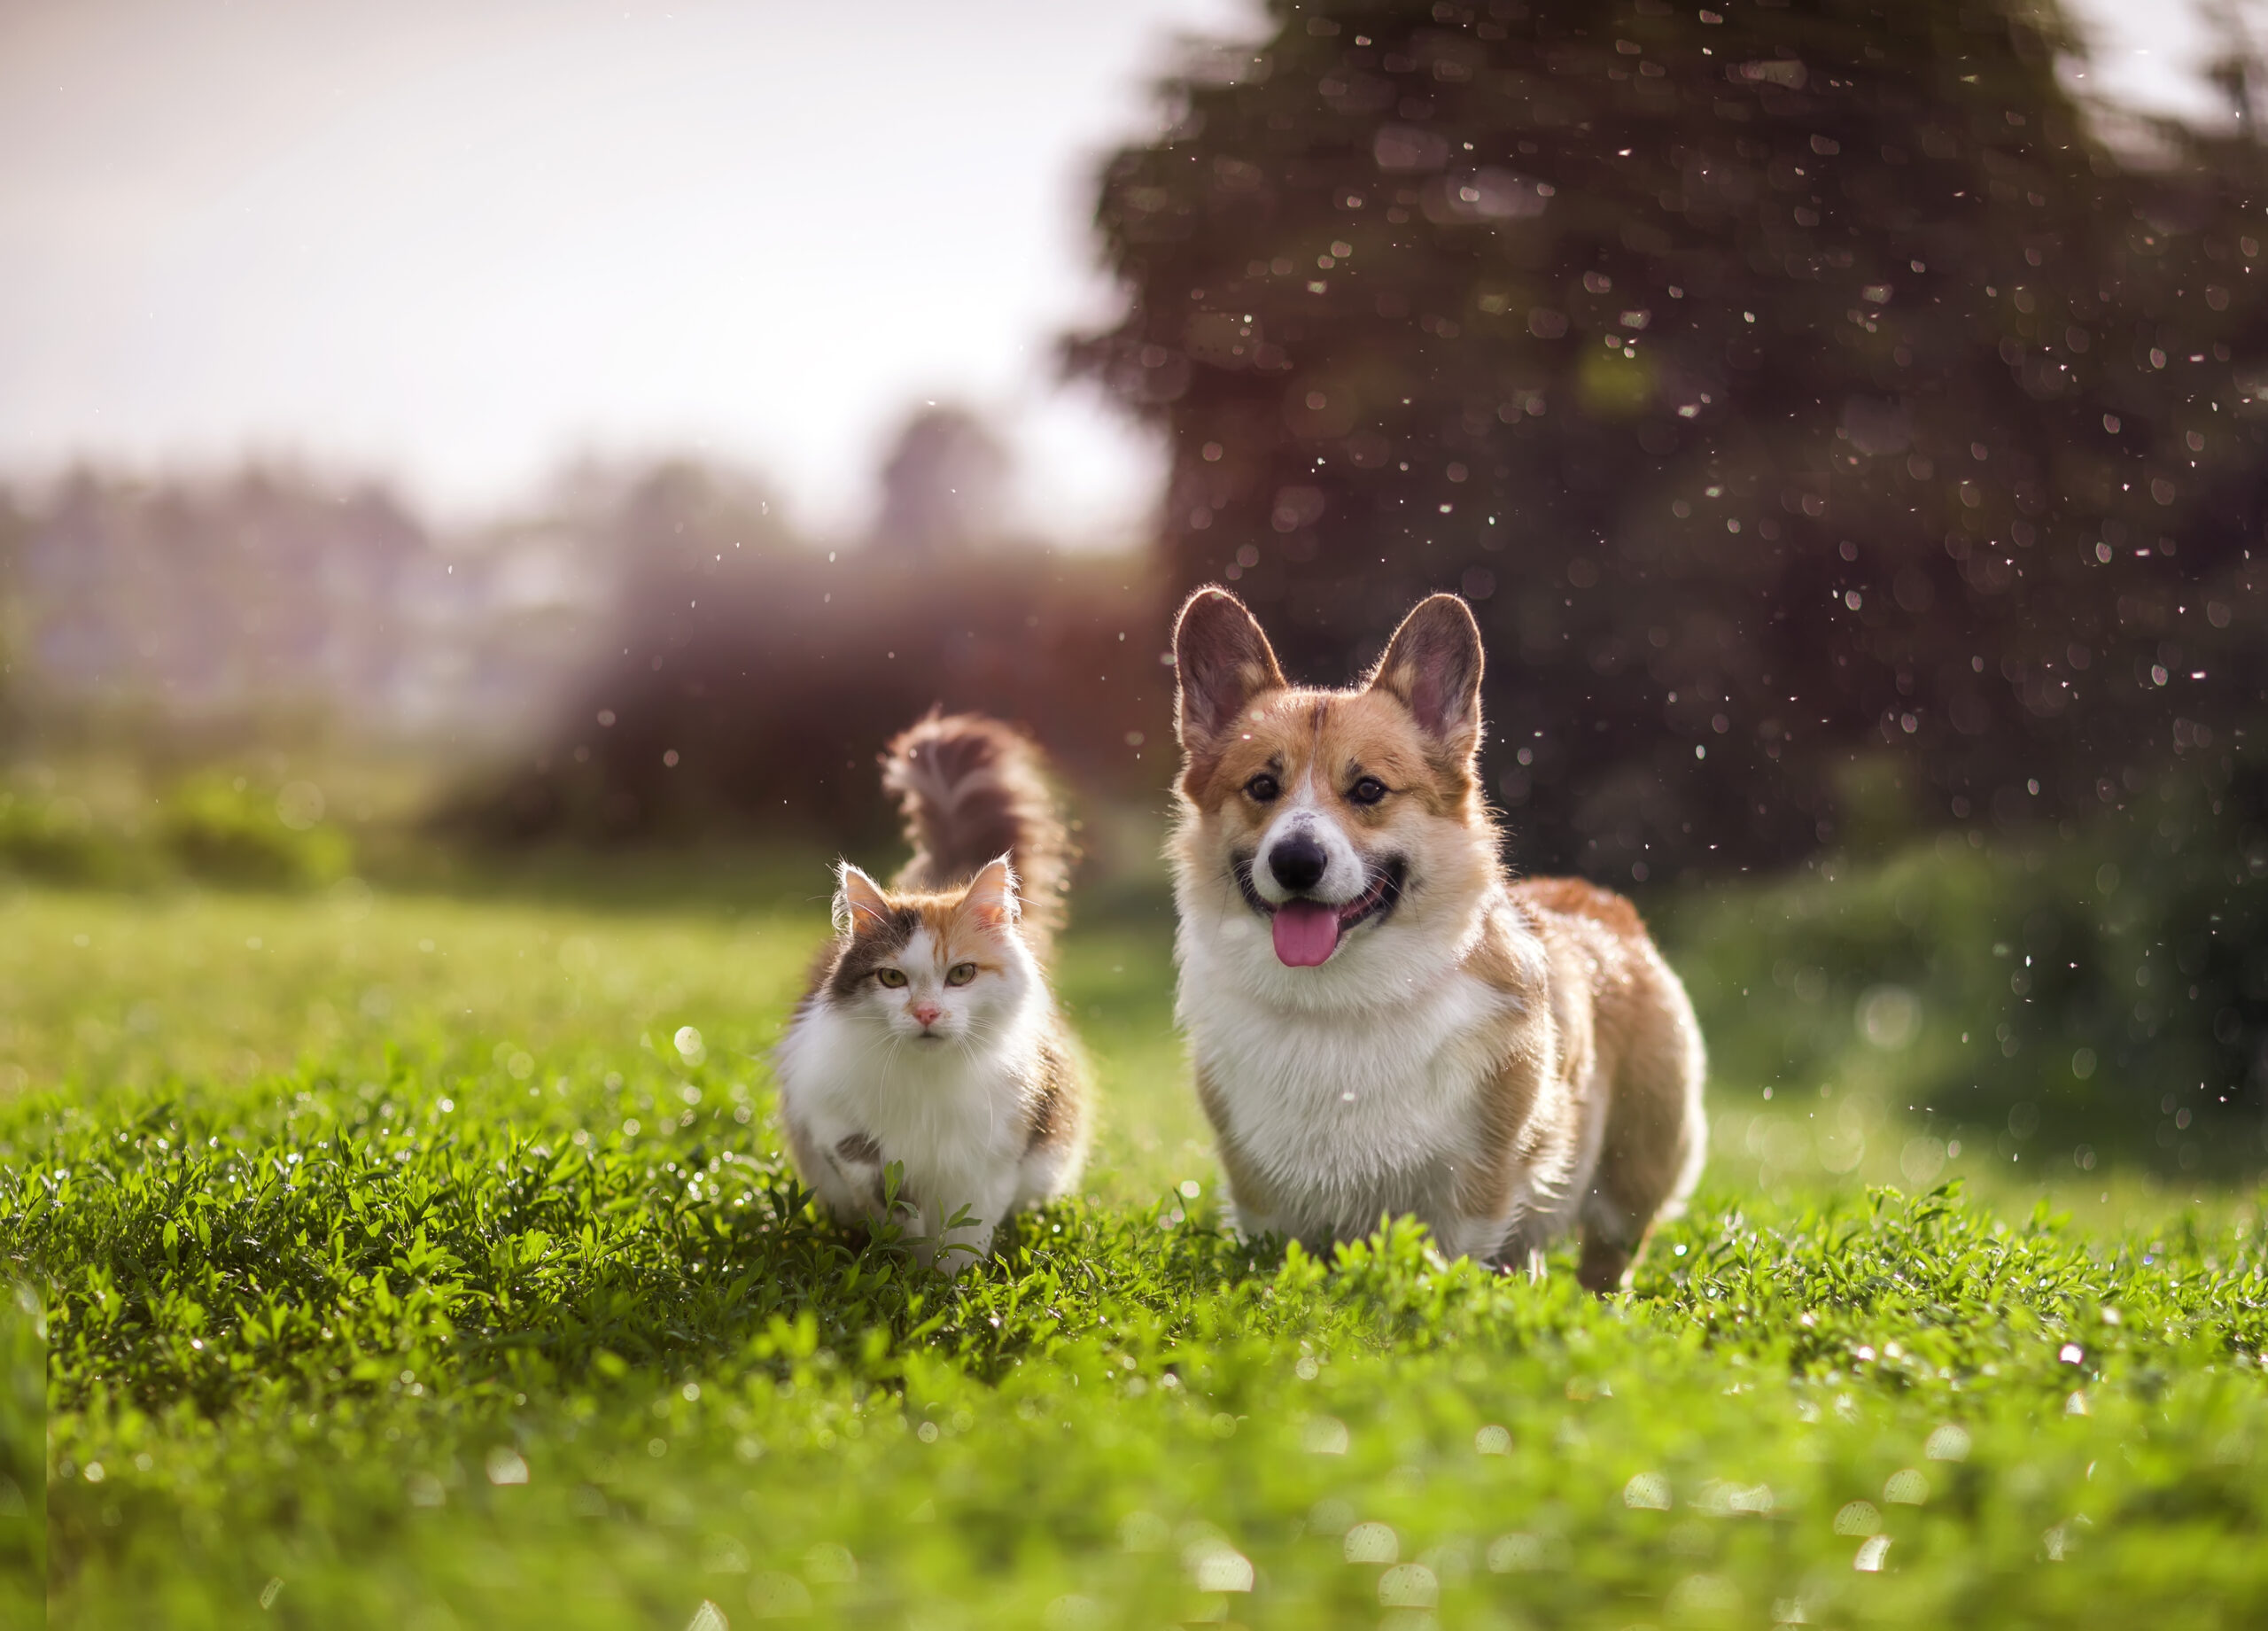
[401, 1270]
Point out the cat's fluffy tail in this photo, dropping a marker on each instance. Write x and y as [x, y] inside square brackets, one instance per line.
[973, 789]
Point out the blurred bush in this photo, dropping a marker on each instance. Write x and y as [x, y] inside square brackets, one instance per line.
[1788, 387]
[209, 826]
[59, 839]
[749, 690]
[2111, 985]
[224, 828]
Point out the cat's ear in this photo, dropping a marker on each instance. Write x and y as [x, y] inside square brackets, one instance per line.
[990, 897]
[1221, 662]
[860, 906]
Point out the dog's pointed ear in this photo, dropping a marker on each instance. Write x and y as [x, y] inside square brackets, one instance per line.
[1432, 664]
[1221, 662]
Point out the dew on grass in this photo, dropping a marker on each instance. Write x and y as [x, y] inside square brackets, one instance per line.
[1947, 1443]
[721, 1553]
[1872, 1551]
[688, 1045]
[1408, 1585]
[1647, 1492]
[1323, 1435]
[1523, 1553]
[1372, 1542]
[1215, 1566]
[1451, 1561]
[1138, 1531]
[1905, 1488]
[1860, 1517]
[774, 1596]
[1719, 1498]
[1706, 1598]
[830, 1563]
[708, 1616]
[506, 1466]
[1493, 1441]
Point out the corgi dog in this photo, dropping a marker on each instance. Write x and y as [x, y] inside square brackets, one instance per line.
[1381, 1019]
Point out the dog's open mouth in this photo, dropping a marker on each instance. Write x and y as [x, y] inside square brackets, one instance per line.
[1307, 932]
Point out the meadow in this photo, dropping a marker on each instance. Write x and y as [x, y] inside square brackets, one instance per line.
[424, 1257]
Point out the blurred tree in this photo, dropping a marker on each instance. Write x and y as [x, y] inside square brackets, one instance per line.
[1833, 434]
[944, 484]
[747, 679]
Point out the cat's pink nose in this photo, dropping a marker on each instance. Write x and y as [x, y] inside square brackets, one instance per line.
[927, 1012]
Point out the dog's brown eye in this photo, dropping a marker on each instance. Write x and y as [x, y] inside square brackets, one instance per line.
[1262, 788]
[1369, 790]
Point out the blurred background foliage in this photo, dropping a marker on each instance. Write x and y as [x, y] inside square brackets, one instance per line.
[1804, 385]
[1850, 439]
[1840, 437]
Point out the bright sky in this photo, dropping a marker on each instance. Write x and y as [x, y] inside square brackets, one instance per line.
[455, 242]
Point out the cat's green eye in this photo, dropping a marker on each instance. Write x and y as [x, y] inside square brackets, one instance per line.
[960, 973]
[893, 978]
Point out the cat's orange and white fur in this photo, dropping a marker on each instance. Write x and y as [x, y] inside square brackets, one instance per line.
[1382, 1021]
[929, 1039]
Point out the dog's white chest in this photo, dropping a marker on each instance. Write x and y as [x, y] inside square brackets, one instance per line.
[1351, 1113]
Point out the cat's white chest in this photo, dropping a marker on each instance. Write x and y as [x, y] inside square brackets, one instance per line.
[945, 1111]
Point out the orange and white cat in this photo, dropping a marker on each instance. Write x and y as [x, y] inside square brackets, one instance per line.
[1382, 1020]
[929, 1039]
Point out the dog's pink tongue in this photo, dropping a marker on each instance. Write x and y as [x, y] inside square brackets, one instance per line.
[1307, 933]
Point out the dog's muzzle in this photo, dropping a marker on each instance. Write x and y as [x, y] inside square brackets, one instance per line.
[1308, 933]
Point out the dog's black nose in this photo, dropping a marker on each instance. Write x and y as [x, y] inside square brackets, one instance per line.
[1298, 862]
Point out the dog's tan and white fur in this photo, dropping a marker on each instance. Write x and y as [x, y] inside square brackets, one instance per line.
[1382, 1020]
